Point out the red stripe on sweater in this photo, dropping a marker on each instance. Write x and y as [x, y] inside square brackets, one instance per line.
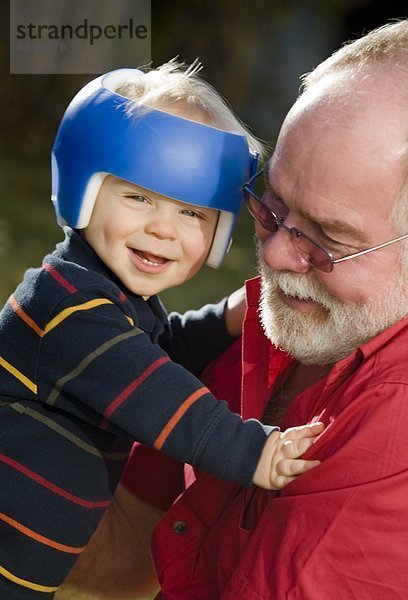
[51, 486]
[58, 277]
[130, 389]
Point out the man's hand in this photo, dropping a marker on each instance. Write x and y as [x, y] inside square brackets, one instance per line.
[279, 463]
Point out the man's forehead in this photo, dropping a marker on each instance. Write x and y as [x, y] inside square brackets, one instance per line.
[370, 136]
[375, 97]
[343, 148]
[335, 225]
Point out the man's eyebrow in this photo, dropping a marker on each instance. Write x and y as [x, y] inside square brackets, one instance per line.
[335, 226]
[332, 225]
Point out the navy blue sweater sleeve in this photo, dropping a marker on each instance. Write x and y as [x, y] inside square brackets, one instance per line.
[96, 364]
[198, 336]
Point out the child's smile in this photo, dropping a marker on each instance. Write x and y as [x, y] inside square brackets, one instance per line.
[149, 241]
[148, 262]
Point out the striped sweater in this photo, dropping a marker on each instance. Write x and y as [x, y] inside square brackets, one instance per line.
[86, 368]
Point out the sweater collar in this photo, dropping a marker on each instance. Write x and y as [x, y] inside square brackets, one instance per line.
[76, 249]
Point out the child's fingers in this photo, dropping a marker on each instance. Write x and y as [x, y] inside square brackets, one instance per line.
[304, 431]
[280, 481]
[290, 468]
[294, 442]
[295, 448]
[290, 471]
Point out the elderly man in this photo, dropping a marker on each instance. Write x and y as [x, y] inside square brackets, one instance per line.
[332, 236]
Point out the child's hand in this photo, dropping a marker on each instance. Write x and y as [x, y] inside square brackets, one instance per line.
[235, 311]
[279, 463]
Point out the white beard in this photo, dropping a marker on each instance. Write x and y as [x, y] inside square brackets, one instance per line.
[330, 333]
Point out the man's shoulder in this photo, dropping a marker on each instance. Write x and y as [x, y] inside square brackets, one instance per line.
[375, 383]
[387, 355]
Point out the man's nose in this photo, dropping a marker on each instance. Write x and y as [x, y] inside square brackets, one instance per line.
[279, 252]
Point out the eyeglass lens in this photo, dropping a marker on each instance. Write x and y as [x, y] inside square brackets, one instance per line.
[270, 214]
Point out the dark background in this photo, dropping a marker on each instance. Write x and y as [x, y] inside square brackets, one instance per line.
[253, 52]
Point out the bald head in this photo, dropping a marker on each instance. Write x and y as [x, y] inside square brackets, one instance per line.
[371, 70]
[352, 121]
[385, 47]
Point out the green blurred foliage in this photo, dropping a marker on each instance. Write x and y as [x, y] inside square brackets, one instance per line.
[253, 53]
[27, 225]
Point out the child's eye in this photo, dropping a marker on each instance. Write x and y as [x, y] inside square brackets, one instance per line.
[192, 213]
[137, 198]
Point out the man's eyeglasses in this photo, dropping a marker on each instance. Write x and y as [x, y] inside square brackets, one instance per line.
[265, 212]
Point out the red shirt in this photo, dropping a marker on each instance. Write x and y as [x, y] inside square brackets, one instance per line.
[337, 532]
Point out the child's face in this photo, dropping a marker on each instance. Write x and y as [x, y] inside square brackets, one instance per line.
[149, 241]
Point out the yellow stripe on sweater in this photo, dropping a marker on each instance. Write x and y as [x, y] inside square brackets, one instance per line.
[67, 312]
[66, 433]
[28, 584]
[18, 375]
[64, 314]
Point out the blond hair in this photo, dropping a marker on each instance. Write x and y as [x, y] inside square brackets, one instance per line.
[175, 83]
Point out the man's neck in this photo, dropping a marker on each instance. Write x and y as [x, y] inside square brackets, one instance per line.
[295, 381]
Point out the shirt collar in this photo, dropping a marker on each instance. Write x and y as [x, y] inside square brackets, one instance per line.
[340, 371]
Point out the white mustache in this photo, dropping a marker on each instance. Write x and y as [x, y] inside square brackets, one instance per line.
[297, 286]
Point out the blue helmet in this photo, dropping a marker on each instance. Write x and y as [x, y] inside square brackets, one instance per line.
[167, 154]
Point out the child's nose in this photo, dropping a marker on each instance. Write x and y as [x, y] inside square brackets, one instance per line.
[162, 224]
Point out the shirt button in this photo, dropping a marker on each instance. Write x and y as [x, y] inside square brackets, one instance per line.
[180, 527]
